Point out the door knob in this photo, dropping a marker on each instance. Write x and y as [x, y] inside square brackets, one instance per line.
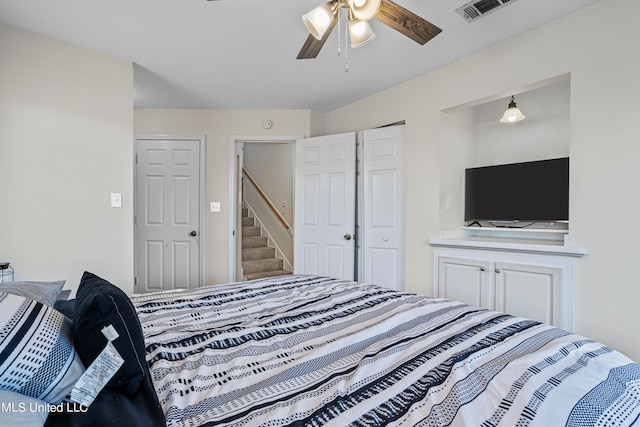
[194, 233]
[347, 236]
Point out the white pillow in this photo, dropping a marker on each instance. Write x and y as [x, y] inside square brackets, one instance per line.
[37, 357]
[44, 292]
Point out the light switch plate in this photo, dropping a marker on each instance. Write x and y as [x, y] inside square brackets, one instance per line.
[116, 200]
[214, 207]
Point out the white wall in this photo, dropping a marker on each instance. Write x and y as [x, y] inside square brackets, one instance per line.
[272, 166]
[219, 126]
[604, 150]
[65, 144]
[318, 126]
[458, 132]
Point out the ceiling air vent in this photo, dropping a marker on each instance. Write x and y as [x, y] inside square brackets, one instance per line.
[477, 9]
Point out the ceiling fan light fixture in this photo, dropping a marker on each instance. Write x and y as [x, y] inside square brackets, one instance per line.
[318, 19]
[364, 9]
[513, 113]
[360, 32]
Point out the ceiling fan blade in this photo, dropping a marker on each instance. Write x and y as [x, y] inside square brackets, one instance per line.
[406, 22]
[312, 46]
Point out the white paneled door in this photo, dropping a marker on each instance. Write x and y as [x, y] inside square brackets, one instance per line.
[324, 241]
[168, 206]
[381, 207]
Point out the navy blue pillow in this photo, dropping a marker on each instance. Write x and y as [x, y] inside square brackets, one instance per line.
[99, 304]
[66, 307]
[129, 399]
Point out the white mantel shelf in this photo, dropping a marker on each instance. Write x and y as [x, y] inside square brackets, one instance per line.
[533, 246]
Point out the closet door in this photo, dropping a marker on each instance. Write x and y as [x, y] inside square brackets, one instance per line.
[325, 201]
[381, 207]
[169, 177]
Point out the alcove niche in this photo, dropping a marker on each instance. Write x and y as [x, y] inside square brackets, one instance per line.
[471, 135]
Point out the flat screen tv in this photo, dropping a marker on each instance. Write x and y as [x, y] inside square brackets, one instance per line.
[517, 192]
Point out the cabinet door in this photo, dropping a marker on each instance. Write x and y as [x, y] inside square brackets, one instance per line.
[529, 291]
[463, 280]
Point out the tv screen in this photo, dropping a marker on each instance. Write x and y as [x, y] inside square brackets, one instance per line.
[529, 191]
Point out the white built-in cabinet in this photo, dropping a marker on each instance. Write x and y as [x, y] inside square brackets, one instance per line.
[532, 279]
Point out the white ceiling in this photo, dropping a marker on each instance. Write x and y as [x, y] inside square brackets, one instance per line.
[232, 54]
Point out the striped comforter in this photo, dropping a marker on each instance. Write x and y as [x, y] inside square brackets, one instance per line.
[307, 350]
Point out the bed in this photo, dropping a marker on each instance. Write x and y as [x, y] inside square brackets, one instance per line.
[305, 350]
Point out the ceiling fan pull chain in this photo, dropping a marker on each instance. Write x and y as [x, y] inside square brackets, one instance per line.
[346, 59]
[339, 31]
[346, 44]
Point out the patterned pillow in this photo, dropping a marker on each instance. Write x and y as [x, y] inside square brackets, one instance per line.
[37, 357]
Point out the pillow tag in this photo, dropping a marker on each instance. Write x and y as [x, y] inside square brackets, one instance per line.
[110, 333]
[97, 375]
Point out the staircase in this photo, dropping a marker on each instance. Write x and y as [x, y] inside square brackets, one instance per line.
[258, 259]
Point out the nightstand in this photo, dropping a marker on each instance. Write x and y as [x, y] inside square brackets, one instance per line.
[6, 272]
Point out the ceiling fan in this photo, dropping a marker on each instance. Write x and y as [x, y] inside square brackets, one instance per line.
[321, 20]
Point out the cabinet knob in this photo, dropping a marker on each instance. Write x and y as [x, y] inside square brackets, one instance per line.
[497, 271]
[482, 269]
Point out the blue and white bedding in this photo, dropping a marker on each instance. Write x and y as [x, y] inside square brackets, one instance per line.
[306, 350]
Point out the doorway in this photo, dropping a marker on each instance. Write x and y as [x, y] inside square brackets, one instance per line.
[236, 162]
[379, 229]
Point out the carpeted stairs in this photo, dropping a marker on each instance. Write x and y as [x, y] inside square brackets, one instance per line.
[258, 259]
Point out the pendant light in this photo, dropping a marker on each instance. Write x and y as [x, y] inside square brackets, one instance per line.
[360, 31]
[364, 9]
[513, 113]
[318, 19]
